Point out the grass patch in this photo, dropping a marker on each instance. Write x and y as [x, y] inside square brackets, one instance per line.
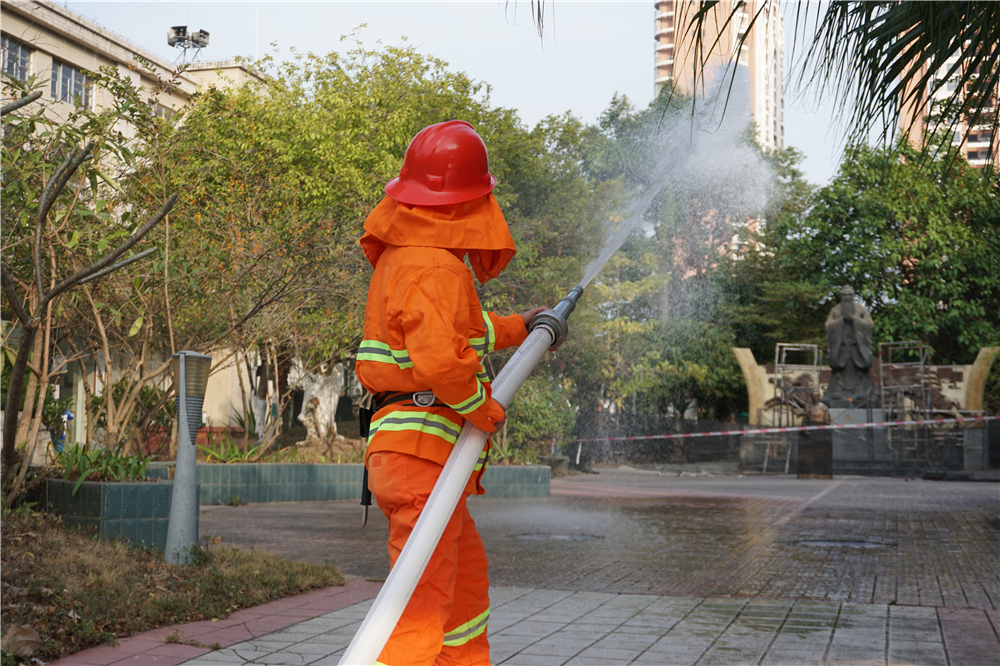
[77, 590]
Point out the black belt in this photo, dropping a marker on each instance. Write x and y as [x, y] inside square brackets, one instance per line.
[419, 399]
[380, 400]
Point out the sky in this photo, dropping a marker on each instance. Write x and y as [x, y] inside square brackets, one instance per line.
[590, 50]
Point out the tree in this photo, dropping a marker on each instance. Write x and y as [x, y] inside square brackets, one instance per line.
[920, 243]
[282, 172]
[51, 200]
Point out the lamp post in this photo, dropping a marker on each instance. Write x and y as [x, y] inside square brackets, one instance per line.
[190, 382]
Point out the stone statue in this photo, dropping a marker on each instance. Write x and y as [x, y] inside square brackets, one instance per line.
[849, 353]
[817, 414]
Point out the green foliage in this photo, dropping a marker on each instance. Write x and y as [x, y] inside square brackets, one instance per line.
[539, 418]
[228, 451]
[146, 417]
[920, 243]
[246, 422]
[81, 462]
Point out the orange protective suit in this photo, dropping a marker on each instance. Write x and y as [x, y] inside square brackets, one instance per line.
[425, 330]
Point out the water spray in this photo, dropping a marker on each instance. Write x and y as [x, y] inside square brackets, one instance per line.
[547, 329]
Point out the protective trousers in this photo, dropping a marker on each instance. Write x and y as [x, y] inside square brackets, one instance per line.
[445, 620]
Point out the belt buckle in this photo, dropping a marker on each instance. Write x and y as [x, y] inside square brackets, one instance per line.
[423, 398]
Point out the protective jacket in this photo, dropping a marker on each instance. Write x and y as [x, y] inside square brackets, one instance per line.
[424, 327]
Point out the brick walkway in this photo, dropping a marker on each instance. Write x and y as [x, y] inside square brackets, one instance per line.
[632, 567]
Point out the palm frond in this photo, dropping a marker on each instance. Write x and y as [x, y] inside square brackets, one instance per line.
[881, 60]
[884, 59]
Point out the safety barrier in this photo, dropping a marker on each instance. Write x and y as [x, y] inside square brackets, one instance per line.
[764, 431]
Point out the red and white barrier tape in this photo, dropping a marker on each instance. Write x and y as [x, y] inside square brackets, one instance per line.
[763, 431]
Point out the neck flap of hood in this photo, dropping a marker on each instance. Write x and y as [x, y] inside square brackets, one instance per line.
[476, 226]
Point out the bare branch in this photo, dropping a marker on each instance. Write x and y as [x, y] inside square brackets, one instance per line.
[17, 104]
[11, 293]
[111, 257]
[121, 264]
[52, 189]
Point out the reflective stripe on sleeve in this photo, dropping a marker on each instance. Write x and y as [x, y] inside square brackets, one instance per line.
[426, 422]
[466, 632]
[485, 344]
[373, 350]
[491, 335]
[471, 404]
[481, 464]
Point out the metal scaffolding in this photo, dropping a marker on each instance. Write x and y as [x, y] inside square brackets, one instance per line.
[911, 391]
[794, 382]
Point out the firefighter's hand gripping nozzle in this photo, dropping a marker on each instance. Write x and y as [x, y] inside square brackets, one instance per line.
[555, 320]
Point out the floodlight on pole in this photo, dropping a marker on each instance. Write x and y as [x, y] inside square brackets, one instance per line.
[179, 37]
[191, 372]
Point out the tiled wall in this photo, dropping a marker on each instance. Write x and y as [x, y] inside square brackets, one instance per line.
[302, 482]
[135, 512]
[513, 482]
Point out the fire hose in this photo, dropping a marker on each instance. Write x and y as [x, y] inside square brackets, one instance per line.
[547, 329]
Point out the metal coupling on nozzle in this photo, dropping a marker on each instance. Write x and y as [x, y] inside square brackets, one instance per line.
[555, 320]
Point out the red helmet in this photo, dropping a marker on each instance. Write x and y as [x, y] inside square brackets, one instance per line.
[445, 163]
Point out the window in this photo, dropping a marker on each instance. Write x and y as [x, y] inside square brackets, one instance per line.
[69, 84]
[161, 111]
[16, 59]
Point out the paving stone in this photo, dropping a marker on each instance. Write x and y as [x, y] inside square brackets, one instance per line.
[925, 653]
[526, 660]
[791, 658]
[550, 650]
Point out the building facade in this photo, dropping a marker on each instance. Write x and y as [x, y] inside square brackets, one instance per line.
[58, 47]
[978, 144]
[762, 52]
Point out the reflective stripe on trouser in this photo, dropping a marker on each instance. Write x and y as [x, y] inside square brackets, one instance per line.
[445, 621]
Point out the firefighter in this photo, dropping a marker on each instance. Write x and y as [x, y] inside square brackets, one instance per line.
[425, 334]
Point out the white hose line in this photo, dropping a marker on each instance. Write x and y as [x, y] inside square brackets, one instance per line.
[377, 626]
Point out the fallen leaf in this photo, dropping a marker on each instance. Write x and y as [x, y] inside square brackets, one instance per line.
[31, 555]
[21, 640]
[73, 615]
[13, 591]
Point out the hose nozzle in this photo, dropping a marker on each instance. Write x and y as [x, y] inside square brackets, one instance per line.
[555, 320]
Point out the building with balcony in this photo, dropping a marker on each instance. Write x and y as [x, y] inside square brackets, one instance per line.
[978, 143]
[762, 52]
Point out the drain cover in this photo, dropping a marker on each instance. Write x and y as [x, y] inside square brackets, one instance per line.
[555, 537]
[842, 544]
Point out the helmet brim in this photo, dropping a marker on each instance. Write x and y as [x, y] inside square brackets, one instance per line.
[415, 194]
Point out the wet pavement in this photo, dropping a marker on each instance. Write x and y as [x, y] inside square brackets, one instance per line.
[853, 539]
[631, 566]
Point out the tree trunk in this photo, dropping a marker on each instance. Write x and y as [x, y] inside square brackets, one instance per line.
[30, 393]
[11, 425]
[319, 404]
